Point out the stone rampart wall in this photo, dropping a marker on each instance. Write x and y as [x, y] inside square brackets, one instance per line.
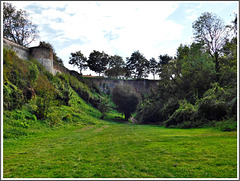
[42, 54]
[21, 51]
[141, 86]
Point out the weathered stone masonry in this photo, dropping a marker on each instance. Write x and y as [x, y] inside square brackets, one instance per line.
[141, 86]
[42, 54]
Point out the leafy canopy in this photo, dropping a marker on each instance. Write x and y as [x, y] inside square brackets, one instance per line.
[79, 60]
[17, 26]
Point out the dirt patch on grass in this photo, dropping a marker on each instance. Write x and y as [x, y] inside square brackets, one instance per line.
[99, 129]
[83, 129]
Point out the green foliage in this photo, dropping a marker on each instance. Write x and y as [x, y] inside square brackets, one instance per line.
[153, 66]
[137, 65]
[227, 125]
[126, 99]
[12, 97]
[33, 74]
[17, 26]
[183, 117]
[198, 72]
[149, 114]
[79, 60]
[54, 117]
[213, 105]
[104, 106]
[82, 89]
[18, 123]
[116, 67]
[98, 61]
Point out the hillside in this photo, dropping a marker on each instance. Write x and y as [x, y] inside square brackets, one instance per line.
[34, 99]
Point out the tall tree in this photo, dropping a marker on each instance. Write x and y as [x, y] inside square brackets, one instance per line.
[17, 26]
[182, 53]
[138, 65]
[210, 30]
[79, 60]
[164, 70]
[153, 67]
[98, 61]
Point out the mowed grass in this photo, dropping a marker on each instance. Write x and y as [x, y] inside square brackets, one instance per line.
[122, 151]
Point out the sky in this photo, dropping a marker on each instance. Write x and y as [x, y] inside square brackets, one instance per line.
[119, 27]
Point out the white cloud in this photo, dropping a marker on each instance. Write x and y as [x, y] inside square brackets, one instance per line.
[139, 26]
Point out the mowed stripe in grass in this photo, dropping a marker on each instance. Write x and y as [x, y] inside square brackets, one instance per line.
[123, 151]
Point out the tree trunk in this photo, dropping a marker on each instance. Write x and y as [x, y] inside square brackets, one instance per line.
[216, 66]
[127, 115]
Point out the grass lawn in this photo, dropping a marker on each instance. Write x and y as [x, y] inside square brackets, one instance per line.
[122, 151]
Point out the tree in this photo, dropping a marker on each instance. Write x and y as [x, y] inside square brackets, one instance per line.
[210, 30]
[138, 65]
[98, 61]
[182, 53]
[164, 59]
[164, 70]
[197, 72]
[17, 26]
[153, 66]
[78, 59]
[126, 99]
[116, 67]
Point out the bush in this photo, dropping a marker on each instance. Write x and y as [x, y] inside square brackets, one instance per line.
[227, 125]
[149, 113]
[12, 97]
[185, 113]
[213, 105]
[212, 109]
[103, 106]
[33, 74]
[169, 108]
[54, 118]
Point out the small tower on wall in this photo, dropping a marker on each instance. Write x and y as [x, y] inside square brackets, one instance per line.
[44, 55]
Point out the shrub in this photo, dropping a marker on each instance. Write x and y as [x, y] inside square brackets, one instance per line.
[12, 97]
[212, 109]
[54, 118]
[213, 105]
[169, 108]
[227, 125]
[149, 113]
[103, 106]
[185, 113]
[33, 74]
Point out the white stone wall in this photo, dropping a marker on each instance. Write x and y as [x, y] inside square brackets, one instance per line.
[48, 64]
[24, 53]
[21, 51]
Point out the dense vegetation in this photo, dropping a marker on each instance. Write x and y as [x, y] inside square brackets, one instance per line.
[35, 99]
[199, 86]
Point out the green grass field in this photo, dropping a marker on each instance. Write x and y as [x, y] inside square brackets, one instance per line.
[118, 150]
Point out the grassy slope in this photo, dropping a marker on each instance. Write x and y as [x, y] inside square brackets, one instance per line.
[122, 151]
